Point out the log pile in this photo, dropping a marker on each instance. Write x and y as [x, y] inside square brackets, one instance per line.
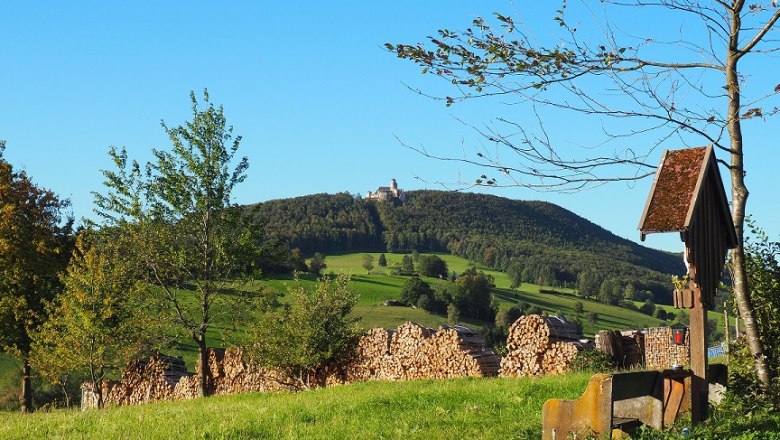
[662, 352]
[414, 352]
[455, 352]
[410, 352]
[239, 376]
[146, 380]
[539, 345]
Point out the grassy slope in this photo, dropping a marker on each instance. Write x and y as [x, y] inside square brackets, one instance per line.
[462, 408]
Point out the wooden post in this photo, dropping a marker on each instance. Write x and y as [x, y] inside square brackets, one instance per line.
[726, 324]
[698, 351]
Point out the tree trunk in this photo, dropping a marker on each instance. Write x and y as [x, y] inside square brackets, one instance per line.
[203, 364]
[26, 396]
[739, 195]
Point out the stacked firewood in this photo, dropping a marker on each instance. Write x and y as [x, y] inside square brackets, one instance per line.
[372, 352]
[662, 352]
[404, 362]
[238, 375]
[146, 380]
[626, 348]
[539, 345]
[455, 352]
[415, 352]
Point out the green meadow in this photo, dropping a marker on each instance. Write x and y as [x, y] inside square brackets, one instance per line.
[451, 409]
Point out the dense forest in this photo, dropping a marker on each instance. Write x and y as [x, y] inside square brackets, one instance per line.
[545, 243]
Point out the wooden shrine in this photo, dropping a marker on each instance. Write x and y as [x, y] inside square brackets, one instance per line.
[688, 197]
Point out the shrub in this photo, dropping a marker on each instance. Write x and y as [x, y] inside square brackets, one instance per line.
[593, 361]
[316, 330]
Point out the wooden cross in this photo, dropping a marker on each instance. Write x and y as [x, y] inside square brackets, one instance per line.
[688, 197]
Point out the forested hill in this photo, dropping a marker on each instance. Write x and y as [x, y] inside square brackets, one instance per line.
[491, 230]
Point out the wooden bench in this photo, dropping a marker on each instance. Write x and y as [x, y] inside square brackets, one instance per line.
[620, 400]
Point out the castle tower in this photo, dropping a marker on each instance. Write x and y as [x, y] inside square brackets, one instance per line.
[393, 186]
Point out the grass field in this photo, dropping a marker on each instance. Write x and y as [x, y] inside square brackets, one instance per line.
[452, 409]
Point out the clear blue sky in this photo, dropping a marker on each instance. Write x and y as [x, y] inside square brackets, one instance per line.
[318, 100]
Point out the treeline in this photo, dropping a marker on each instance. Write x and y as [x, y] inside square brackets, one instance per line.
[553, 246]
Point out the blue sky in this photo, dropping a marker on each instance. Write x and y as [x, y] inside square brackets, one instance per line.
[308, 85]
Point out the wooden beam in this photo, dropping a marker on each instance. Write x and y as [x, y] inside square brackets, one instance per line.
[698, 349]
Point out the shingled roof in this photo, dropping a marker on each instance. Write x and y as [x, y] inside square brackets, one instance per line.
[688, 197]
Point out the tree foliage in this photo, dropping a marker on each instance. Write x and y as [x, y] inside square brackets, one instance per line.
[317, 264]
[432, 266]
[316, 330]
[187, 231]
[98, 323]
[763, 271]
[34, 245]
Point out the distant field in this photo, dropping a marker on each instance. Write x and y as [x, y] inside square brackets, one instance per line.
[451, 409]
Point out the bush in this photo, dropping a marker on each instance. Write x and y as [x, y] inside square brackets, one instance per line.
[316, 330]
[593, 361]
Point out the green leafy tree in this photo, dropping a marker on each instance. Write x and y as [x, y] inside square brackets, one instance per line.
[413, 289]
[192, 243]
[648, 308]
[515, 274]
[432, 266]
[763, 272]
[315, 331]
[34, 245]
[579, 307]
[593, 317]
[368, 262]
[471, 294]
[611, 291]
[96, 325]
[589, 283]
[453, 314]
[405, 267]
[382, 262]
[572, 75]
[317, 264]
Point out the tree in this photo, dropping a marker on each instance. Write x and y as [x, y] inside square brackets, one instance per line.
[579, 307]
[191, 242]
[589, 283]
[515, 274]
[368, 262]
[471, 294]
[317, 264]
[648, 308]
[763, 272]
[611, 292]
[629, 82]
[592, 317]
[96, 324]
[453, 314]
[432, 266]
[406, 267]
[382, 262]
[413, 289]
[34, 243]
[315, 331]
